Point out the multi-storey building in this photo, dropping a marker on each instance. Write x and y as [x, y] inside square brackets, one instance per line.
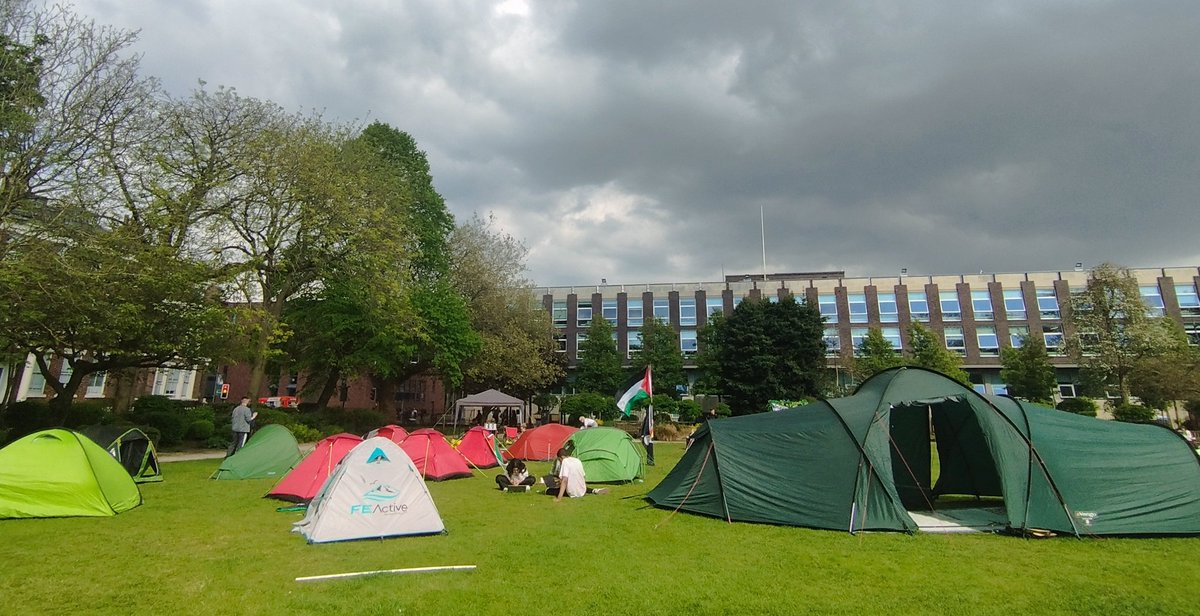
[975, 314]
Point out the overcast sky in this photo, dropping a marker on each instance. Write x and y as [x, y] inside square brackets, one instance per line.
[638, 141]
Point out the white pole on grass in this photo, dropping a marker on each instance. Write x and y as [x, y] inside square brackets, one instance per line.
[339, 576]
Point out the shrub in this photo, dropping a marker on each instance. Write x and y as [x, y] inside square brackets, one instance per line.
[591, 404]
[200, 430]
[27, 417]
[361, 421]
[268, 416]
[305, 434]
[146, 405]
[89, 413]
[689, 411]
[666, 432]
[723, 410]
[218, 441]
[152, 433]
[201, 413]
[1078, 406]
[170, 426]
[1133, 413]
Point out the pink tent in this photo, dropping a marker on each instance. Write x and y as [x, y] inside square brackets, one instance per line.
[433, 456]
[540, 443]
[302, 482]
[478, 446]
[390, 431]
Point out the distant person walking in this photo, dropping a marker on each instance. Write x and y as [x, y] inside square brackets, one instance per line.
[242, 417]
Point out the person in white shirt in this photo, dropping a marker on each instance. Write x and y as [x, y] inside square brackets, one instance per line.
[587, 422]
[568, 478]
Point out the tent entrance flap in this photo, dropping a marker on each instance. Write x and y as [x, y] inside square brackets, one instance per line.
[964, 462]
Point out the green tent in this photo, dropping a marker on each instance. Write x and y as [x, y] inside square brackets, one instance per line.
[131, 447]
[270, 452]
[608, 454]
[60, 473]
[864, 462]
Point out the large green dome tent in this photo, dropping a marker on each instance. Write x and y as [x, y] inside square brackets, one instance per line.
[271, 452]
[863, 463]
[60, 473]
[608, 455]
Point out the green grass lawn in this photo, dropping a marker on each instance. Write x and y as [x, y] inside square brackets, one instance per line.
[203, 547]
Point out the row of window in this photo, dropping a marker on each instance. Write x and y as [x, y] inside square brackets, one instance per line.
[986, 338]
[169, 382]
[918, 305]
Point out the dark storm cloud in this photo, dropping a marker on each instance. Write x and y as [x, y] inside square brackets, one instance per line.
[638, 141]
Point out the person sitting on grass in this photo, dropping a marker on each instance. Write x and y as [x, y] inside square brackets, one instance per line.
[568, 478]
[515, 474]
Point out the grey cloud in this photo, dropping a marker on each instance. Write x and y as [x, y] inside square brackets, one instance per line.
[945, 137]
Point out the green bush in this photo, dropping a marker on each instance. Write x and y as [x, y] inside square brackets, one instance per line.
[305, 434]
[331, 429]
[200, 430]
[689, 411]
[152, 433]
[1078, 406]
[27, 417]
[1133, 413]
[201, 413]
[170, 426]
[218, 441]
[591, 404]
[268, 416]
[361, 421]
[723, 410]
[146, 405]
[89, 413]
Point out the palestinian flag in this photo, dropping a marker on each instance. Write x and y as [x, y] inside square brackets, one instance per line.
[640, 389]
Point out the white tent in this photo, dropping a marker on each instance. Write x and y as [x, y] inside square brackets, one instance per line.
[375, 492]
[491, 398]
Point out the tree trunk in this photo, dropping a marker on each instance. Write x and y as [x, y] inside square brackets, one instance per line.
[262, 345]
[65, 392]
[385, 394]
[330, 388]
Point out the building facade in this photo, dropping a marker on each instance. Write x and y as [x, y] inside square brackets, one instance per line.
[975, 314]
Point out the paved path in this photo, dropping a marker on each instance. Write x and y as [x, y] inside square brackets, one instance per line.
[214, 454]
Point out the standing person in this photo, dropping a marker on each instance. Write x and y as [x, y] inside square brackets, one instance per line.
[648, 435]
[568, 478]
[242, 416]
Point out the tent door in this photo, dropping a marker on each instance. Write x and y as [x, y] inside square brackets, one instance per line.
[911, 457]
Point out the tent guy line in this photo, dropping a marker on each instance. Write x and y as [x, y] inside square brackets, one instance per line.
[339, 576]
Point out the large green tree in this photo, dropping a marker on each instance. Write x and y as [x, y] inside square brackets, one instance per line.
[767, 350]
[660, 349]
[1027, 371]
[599, 369]
[1112, 330]
[928, 350]
[517, 352]
[875, 354]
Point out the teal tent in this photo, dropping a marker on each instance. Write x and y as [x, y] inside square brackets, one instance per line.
[270, 452]
[608, 455]
[60, 473]
[864, 463]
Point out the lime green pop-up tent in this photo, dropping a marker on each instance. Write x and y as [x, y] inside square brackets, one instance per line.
[608, 455]
[864, 463]
[271, 452]
[60, 473]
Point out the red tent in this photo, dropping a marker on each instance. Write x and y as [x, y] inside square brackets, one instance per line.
[540, 443]
[390, 431]
[478, 446]
[433, 456]
[302, 482]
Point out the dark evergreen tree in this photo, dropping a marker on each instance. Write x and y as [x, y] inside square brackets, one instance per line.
[599, 369]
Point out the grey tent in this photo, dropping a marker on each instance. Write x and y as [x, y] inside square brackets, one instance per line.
[492, 398]
[864, 463]
[131, 447]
